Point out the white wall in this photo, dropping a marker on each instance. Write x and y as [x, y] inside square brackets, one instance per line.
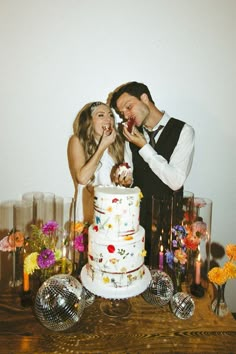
[57, 55]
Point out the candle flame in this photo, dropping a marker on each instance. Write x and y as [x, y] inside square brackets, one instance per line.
[161, 248]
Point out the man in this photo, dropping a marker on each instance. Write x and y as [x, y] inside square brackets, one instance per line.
[161, 162]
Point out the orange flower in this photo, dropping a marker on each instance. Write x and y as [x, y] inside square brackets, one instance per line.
[217, 275]
[231, 252]
[77, 227]
[16, 239]
[181, 256]
[230, 270]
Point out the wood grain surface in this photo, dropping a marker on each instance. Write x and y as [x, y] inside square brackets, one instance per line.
[147, 329]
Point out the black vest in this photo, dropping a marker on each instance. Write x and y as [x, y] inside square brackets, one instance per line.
[151, 185]
[143, 176]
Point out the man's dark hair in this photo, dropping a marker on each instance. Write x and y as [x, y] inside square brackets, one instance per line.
[133, 88]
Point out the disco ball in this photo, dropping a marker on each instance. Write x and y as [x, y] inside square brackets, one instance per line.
[160, 289]
[182, 305]
[59, 302]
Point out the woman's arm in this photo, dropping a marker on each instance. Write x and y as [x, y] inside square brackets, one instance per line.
[82, 171]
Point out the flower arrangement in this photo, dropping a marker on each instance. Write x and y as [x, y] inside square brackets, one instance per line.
[42, 254]
[177, 255]
[220, 275]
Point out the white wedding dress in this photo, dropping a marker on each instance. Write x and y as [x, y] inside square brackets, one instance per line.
[84, 208]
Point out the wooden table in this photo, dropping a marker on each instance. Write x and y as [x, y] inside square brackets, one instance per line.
[148, 329]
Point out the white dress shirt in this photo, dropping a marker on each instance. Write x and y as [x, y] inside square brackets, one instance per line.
[174, 172]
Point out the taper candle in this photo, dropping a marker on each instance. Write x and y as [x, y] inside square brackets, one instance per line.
[26, 284]
[161, 258]
[63, 260]
[198, 270]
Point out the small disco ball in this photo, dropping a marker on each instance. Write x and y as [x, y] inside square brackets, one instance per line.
[59, 302]
[182, 305]
[160, 289]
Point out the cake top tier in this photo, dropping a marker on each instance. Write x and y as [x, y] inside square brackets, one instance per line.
[116, 209]
[113, 190]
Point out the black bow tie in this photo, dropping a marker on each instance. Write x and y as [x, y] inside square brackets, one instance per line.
[152, 135]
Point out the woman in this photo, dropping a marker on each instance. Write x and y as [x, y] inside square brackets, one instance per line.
[93, 151]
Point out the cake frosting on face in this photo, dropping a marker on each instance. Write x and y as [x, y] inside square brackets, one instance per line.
[116, 247]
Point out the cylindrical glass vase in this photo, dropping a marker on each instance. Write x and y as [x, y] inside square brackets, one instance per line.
[201, 229]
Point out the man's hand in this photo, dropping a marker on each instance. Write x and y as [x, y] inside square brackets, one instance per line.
[135, 137]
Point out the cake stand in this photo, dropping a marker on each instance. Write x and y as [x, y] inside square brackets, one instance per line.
[116, 302]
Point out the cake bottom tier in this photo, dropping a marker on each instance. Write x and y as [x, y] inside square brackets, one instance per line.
[109, 289]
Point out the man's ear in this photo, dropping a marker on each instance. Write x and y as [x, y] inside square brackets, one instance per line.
[144, 98]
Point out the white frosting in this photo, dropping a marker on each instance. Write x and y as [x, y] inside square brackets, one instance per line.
[116, 210]
[116, 263]
[100, 289]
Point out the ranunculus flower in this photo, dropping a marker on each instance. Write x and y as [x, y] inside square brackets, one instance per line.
[16, 239]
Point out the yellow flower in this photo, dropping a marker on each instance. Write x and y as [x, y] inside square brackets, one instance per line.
[128, 237]
[143, 253]
[230, 270]
[30, 263]
[217, 275]
[230, 250]
[77, 227]
[106, 280]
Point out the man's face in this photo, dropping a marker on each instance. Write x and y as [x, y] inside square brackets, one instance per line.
[131, 107]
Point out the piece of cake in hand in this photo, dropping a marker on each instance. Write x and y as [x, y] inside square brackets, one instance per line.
[130, 124]
[124, 168]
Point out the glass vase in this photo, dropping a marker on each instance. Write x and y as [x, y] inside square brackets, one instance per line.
[219, 306]
[201, 227]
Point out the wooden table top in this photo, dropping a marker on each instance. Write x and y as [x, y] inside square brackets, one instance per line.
[147, 329]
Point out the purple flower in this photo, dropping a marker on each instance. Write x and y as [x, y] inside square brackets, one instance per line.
[179, 230]
[49, 227]
[79, 243]
[169, 258]
[46, 258]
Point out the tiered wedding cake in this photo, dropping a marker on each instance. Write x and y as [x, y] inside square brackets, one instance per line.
[116, 249]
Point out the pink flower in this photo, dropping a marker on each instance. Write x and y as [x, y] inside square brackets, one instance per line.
[5, 246]
[50, 227]
[199, 228]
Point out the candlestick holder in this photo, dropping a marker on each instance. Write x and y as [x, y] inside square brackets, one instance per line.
[197, 290]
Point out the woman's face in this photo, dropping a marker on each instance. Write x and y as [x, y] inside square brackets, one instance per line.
[103, 120]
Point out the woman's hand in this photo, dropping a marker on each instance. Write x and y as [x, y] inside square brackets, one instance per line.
[107, 138]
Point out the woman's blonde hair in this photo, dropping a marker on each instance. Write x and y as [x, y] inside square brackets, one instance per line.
[83, 129]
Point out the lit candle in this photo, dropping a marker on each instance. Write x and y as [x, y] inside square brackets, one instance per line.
[198, 270]
[26, 285]
[63, 260]
[161, 258]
